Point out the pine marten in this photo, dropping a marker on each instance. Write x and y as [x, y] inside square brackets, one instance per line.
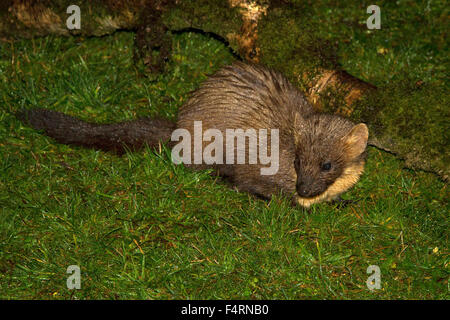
[320, 155]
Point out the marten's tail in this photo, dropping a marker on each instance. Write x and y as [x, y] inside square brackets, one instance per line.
[116, 137]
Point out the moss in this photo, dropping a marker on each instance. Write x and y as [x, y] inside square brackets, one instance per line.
[207, 15]
[418, 118]
[288, 44]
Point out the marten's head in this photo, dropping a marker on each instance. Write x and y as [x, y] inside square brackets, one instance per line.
[329, 157]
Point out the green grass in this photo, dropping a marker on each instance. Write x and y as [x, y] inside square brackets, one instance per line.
[140, 227]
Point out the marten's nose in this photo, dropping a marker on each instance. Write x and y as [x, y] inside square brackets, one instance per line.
[305, 190]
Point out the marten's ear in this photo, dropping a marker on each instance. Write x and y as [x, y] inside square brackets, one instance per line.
[356, 140]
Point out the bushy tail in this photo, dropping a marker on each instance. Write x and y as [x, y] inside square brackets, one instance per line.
[116, 137]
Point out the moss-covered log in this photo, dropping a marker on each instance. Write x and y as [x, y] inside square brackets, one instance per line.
[269, 32]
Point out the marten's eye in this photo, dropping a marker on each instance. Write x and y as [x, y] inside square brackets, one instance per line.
[326, 166]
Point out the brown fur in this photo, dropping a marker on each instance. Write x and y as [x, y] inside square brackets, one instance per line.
[250, 96]
[115, 137]
[244, 96]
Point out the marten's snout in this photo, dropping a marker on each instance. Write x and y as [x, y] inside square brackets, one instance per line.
[306, 189]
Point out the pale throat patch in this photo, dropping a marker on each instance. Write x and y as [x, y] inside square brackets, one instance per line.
[348, 178]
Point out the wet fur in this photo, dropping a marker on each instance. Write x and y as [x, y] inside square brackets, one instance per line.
[115, 137]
